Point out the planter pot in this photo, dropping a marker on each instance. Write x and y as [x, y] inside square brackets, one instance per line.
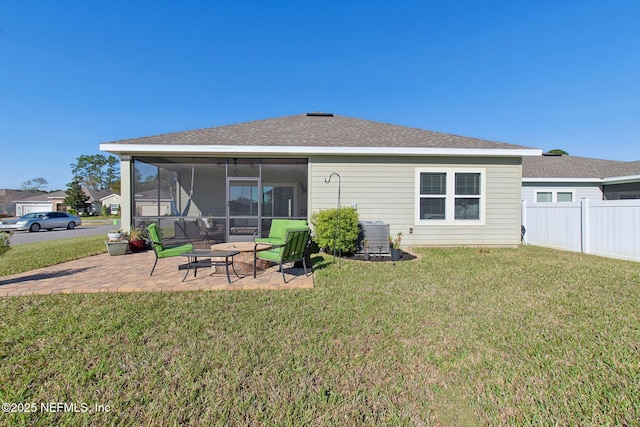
[136, 245]
[117, 248]
[113, 237]
[396, 254]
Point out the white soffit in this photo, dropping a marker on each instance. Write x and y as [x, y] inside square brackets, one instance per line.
[622, 179]
[302, 150]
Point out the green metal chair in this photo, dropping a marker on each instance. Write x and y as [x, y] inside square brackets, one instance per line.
[162, 251]
[292, 250]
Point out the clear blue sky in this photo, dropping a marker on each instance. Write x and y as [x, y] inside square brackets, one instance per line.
[545, 74]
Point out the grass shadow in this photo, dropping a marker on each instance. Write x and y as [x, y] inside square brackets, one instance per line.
[42, 276]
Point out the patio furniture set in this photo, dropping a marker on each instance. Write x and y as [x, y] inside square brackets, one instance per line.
[286, 243]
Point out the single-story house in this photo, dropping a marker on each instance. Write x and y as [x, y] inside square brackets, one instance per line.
[151, 203]
[8, 199]
[41, 203]
[563, 178]
[55, 202]
[112, 202]
[435, 188]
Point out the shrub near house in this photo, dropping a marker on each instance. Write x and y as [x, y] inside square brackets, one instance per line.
[329, 227]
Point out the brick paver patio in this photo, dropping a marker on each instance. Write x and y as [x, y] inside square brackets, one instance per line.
[130, 273]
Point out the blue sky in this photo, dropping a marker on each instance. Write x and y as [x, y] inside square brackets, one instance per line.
[546, 74]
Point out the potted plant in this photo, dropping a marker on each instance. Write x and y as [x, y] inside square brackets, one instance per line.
[115, 235]
[136, 240]
[117, 244]
[396, 253]
[118, 247]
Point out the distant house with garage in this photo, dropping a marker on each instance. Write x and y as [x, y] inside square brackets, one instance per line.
[8, 199]
[55, 202]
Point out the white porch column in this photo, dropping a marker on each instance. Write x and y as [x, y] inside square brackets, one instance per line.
[126, 184]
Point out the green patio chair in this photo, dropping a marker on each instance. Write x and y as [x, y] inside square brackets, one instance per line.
[292, 250]
[162, 251]
[278, 230]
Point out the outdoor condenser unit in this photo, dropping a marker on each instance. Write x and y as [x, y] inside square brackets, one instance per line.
[376, 234]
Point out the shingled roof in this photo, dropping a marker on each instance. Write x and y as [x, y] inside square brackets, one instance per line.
[315, 130]
[556, 166]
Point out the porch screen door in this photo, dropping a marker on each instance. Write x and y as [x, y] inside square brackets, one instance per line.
[242, 209]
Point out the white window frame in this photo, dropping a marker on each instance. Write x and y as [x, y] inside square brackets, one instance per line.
[450, 196]
[554, 194]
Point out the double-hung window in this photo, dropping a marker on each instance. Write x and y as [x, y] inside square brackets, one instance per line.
[448, 196]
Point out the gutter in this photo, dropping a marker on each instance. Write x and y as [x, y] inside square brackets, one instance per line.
[133, 149]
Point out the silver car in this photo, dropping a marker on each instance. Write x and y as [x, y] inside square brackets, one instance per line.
[41, 220]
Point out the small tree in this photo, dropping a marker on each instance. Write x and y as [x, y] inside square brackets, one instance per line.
[76, 199]
[35, 184]
[328, 231]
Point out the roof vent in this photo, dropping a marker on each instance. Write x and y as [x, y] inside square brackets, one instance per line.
[552, 154]
[319, 114]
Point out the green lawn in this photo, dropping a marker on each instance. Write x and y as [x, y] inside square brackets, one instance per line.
[525, 336]
[27, 257]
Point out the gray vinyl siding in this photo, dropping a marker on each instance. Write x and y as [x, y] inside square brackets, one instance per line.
[582, 190]
[385, 189]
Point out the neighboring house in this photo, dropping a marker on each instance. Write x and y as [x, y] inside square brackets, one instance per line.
[562, 178]
[94, 202]
[437, 189]
[8, 199]
[41, 203]
[112, 202]
[55, 202]
[152, 203]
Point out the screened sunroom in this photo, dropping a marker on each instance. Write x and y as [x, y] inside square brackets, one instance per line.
[236, 198]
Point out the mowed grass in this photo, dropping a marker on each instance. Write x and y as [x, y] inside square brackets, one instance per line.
[27, 257]
[525, 336]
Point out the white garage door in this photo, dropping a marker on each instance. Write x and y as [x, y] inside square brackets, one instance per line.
[23, 209]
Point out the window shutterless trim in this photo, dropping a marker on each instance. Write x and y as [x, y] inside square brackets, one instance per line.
[554, 194]
[450, 196]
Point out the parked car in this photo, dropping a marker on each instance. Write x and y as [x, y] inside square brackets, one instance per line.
[37, 220]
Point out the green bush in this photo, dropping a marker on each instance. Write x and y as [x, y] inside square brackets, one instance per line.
[325, 229]
[4, 242]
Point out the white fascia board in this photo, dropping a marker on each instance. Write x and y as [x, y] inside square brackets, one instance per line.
[621, 179]
[552, 180]
[298, 150]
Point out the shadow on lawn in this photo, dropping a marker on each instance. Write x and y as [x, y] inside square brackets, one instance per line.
[319, 262]
[40, 276]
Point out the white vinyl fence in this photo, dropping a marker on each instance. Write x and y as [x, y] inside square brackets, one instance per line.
[608, 228]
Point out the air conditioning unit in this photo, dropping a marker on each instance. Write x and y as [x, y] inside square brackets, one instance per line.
[376, 235]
